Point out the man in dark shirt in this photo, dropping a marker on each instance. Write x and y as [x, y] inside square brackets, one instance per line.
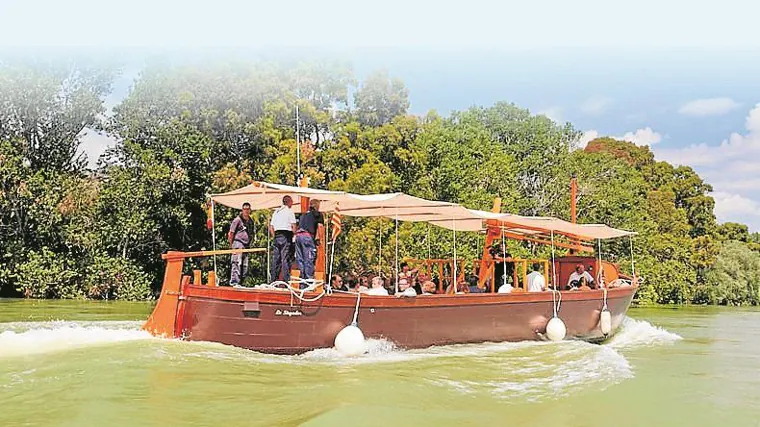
[239, 237]
[306, 239]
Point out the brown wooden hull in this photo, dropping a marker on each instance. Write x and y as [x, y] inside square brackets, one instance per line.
[276, 322]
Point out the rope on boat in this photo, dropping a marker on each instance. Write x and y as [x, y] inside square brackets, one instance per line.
[299, 294]
[557, 302]
[604, 307]
[356, 310]
[633, 264]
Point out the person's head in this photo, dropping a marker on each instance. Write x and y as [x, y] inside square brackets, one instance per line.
[428, 287]
[402, 285]
[580, 268]
[404, 267]
[364, 281]
[337, 281]
[287, 201]
[472, 280]
[423, 277]
[351, 282]
[536, 266]
[246, 210]
[378, 282]
[314, 204]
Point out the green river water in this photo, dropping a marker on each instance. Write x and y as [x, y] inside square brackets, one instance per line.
[66, 363]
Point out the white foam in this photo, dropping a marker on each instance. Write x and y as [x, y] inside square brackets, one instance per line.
[27, 338]
[638, 333]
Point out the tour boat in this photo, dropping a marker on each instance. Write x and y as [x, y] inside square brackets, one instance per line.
[288, 320]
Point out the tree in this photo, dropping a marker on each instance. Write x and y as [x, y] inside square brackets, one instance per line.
[734, 231]
[45, 107]
[380, 98]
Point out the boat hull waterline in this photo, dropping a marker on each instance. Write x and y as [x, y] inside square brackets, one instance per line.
[277, 322]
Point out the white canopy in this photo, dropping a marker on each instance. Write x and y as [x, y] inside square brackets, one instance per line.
[263, 195]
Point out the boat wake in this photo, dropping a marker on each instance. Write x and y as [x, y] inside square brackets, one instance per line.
[28, 338]
[640, 333]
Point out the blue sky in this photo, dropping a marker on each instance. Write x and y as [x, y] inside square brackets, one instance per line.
[678, 76]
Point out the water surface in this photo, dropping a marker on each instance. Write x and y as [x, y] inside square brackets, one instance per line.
[88, 364]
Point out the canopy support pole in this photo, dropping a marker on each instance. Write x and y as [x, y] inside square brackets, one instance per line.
[380, 250]
[554, 265]
[269, 273]
[396, 251]
[454, 280]
[599, 264]
[298, 143]
[633, 264]
[213, 241]
[430, 256]
[503, 258]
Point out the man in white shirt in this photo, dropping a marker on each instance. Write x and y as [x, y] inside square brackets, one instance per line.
[282, 228]
[536, 280]
[377, 287]
[575, 279]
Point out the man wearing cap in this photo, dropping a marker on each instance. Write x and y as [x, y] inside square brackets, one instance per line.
[239, 237]
[306, 239]
[282, 227]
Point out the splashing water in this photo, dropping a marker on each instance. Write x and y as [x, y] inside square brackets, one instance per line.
[27, 338]
[638, 333]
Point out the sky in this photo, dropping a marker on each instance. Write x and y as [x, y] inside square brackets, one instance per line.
[678, 76]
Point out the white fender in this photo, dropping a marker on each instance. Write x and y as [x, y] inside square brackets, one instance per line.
[605, 322]
[350, 341]
[556, 329]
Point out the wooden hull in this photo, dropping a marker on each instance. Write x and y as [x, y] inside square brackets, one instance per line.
[275, 322]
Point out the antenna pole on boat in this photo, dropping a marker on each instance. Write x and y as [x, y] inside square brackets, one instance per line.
[298, 144]
[573, 210]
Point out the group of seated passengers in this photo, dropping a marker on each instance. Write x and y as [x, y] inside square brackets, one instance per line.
[412, 283]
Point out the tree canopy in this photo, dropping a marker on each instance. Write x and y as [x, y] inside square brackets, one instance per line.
[185, 131]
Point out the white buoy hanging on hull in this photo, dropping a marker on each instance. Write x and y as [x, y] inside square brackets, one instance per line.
[605, 317]
[605, 322]
[555, 329]
[350, 341]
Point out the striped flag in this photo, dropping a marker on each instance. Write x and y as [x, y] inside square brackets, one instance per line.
[209, 215]
[335, 222]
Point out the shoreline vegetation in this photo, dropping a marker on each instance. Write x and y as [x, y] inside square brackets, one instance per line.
[187, 130]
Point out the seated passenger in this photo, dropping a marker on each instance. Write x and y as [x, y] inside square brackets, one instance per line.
[505, 288]
[428, 288]
[472, 284]
[536, 280]
[405, 290]
[462, 288]
[574, 280]
[363, 284]
[337, 283]
[377, 287]
[420, 279]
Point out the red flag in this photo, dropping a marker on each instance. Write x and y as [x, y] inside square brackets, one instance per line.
[209, 216]
[335, 222]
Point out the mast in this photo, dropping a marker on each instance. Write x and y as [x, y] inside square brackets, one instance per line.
[573, 210]
[298, 146]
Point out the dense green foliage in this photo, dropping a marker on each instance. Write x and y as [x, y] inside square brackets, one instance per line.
[189, 130]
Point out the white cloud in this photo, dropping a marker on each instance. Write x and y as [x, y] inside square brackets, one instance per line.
[596, 106]
[708, 107]
[644, 136]
[729, 206]
[587, 137]
[554, 113]
[731, 167]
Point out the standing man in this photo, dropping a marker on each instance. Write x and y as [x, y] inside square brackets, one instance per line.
[282, 227]
[306, 239]
[239, 237]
